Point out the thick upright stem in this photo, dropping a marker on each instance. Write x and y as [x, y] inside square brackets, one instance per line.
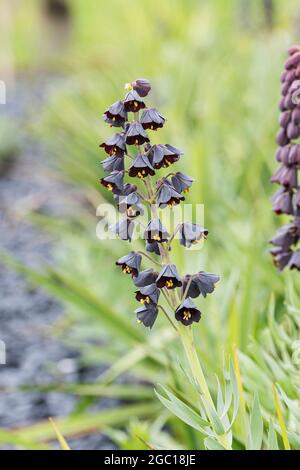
[187, 339]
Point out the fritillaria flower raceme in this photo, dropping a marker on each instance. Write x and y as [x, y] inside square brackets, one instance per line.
[163, 288]
[286, 199]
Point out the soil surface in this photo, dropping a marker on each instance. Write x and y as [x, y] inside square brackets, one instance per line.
[33, 357]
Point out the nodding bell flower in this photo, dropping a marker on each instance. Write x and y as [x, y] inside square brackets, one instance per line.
[181, 182]
[162, 156]
[147, 314]
[286, 176]
[286, 236]
[187, 312]
[113, 163]
[148, 294]
[116, 114]
[168, 277]
[167, 195]
[136, 135]
[190, 234]
[133, 102]
[124, 229]
[130, 263]
[201, 283]
[153, 247]
[142, 86]
[155, 232]
[287, 199]
[114, 181]
[151, 119]
[145, 278]
[141, 167]
[146, 159]
[130, 205]
[283, 202]
[115, 145]
[281, 257]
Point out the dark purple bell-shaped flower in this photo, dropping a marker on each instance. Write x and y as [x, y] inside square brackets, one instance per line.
[116, 114]
[286, 236]
[124, 229]
[153, 248]
[281, 257]
[163, 155]
[130, 205]
[155, 232]
[190, 234]
[114, 181]
[286, 176]
[133, 102]
[148, 294]
[141, 167]
[136, 135]
[142, 86]
[113, 163]
[130, 263]
[147, 314]
[283, 202]
[201, 283]
[167, 195]
[145, 278]
[181, 182]
[168, 277]
[151, 119]
[187, 312]
[115, 145]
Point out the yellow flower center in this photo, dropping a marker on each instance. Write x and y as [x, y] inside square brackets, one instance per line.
[156, 237]
[169, 284]
[146, 300]
[141, 174]
[127, 270]
[109, 187]
[186, 315]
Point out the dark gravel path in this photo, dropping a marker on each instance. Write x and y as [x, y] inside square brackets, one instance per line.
[25, 312]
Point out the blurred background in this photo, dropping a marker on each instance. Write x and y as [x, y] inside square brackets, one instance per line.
[73, 348]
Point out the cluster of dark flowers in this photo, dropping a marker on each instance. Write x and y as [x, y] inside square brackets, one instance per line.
[287, 199]
[135, 120]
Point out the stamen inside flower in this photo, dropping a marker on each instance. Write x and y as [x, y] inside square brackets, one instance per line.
[127, 270]
[109, 187]
[141, 174]
[186, 315]
[136, 104]
[156, 238]
[130, 212]
[169, 284]
[146, 300]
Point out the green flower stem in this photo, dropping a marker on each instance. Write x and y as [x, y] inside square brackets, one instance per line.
[187, 339]
[173, 300]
